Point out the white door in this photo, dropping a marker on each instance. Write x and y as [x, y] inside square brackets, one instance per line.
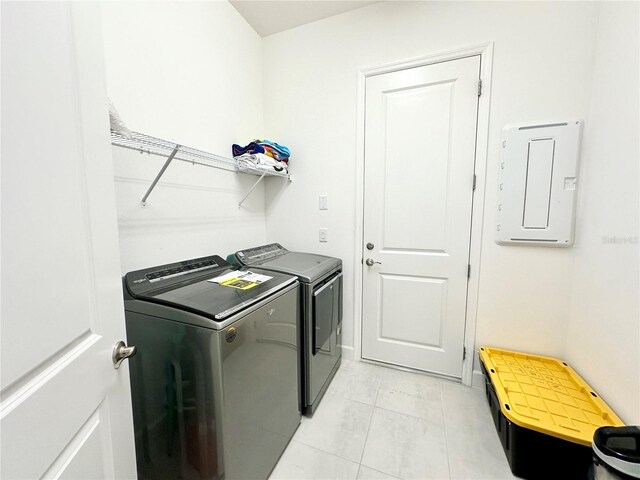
[419, 164]
[65, 412]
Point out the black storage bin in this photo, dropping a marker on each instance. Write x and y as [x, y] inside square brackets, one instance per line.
[544, 412]
[534, 455]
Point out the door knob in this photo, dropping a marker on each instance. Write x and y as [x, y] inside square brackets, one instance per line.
[121, 352]
[370, 262]
[370, 246]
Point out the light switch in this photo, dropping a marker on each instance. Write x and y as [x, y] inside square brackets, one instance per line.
[323, 202]
[323, 235]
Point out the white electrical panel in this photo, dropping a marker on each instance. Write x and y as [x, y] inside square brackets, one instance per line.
[537, 184]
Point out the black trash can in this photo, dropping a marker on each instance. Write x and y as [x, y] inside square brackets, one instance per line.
[616, 453]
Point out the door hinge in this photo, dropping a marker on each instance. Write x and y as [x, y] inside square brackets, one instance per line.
[474, 182]
[479, 87]
[464, 352]
[469, 270]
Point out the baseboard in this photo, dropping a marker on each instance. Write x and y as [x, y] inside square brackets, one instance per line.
[347, 352]
[477, 379]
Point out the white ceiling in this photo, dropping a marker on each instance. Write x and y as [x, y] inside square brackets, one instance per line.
[270, 16]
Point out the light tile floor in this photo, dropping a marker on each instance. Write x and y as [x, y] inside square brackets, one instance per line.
[381, 423]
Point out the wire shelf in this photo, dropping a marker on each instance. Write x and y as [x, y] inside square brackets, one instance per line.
[174, 151]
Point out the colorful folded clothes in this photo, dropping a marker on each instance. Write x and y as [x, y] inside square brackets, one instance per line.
[267, 147]
[279, 152]
[274, 153]
[252, 148]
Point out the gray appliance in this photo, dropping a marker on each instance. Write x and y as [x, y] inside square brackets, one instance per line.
[616, 453]
[215, 379]
[320, 279]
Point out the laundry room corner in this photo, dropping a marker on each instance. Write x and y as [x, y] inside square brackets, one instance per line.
[190, 73]
[538, 74]
[603, 328]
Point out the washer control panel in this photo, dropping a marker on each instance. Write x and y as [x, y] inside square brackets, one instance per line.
[257, 255]
[150, 279]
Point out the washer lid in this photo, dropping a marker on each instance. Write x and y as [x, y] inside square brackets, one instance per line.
[217, 301]
[185, 285]
[307, 266]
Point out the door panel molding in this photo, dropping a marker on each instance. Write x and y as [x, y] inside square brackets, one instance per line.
[87, 435]
[40, 374]
[485, 50]
[428, 283]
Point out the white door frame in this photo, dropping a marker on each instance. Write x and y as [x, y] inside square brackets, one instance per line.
[485, 50]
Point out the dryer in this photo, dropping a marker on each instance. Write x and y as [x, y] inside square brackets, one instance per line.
[320, 334]
[215, 379]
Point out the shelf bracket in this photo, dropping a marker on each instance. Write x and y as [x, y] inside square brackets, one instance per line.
[160, 173]
[251, 189]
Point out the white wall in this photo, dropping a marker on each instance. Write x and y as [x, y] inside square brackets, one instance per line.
[542, 71]
[189, 72]
[603, 341]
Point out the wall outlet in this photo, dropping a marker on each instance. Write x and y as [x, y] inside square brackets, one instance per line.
[323, 202]
[323, 234]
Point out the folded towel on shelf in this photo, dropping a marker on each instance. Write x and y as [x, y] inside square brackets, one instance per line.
[261, 161]
[116, 123]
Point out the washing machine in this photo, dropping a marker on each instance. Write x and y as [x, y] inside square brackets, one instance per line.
[321, 300]
[215, 381]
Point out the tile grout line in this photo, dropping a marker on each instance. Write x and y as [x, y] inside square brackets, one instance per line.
[446, 436]
[335, 454]
[380, 471]
[327, 453]
[358, 401]
[366, 437]
[408, 414]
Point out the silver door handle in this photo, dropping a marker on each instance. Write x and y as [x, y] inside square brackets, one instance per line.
[370, 262]
[122, 352]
